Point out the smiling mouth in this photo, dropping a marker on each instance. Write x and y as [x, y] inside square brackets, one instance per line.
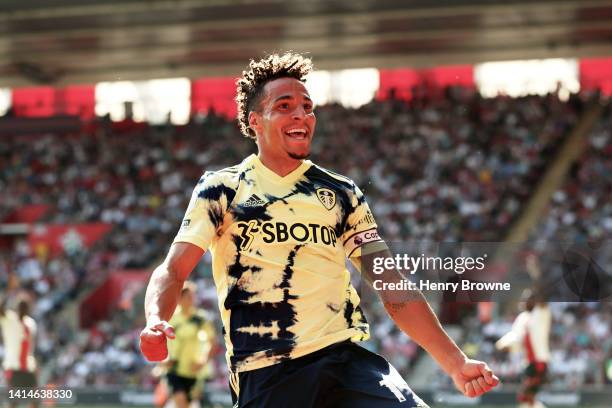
[297, 134]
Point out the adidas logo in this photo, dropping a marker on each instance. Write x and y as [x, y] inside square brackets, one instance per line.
[253, 201]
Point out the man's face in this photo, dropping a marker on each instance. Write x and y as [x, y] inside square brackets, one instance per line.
[187, 299]
[23, 308]
[286, 121]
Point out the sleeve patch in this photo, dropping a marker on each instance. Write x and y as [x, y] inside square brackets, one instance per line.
[359, 239]
[367, 219]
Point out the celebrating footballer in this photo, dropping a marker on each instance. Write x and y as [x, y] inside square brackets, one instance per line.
[280, 228]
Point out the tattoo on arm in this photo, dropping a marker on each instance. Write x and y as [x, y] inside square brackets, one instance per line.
[395, 300]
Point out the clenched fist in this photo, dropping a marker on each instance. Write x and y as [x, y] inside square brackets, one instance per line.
[474, 378]
[153, 340]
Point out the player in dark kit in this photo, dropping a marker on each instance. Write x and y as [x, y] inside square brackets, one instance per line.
[280, 228]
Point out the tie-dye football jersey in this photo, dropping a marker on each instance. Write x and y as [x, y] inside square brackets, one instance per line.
[279, 246]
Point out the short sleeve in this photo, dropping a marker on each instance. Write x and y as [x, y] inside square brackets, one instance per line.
[207, 207]
[360, 227]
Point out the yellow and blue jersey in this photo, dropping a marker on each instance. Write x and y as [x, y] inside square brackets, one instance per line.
[193, 339]
[279, 246]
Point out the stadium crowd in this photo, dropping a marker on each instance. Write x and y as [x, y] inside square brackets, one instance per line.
[581, 211]
[454, 167]
[578, 220]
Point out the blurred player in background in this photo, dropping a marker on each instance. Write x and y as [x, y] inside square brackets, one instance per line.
[280, 228]
[18, 337]
[189, 351]
[530, 334]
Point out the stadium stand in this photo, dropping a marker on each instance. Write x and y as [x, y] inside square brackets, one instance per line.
[579, 215]
[449, 167]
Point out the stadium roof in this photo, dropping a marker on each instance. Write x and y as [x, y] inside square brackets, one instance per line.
[80, 41]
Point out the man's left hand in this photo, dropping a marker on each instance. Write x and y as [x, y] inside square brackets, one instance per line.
[474, 378]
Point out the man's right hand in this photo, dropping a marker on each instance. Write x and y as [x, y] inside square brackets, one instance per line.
[153, 340]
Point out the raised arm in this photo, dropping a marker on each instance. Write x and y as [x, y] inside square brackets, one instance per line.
[162, 295]
[414, 316]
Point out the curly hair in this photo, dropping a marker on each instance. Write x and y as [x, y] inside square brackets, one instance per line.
[250, 86]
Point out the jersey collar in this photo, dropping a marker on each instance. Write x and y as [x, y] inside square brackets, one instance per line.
[272, 176]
